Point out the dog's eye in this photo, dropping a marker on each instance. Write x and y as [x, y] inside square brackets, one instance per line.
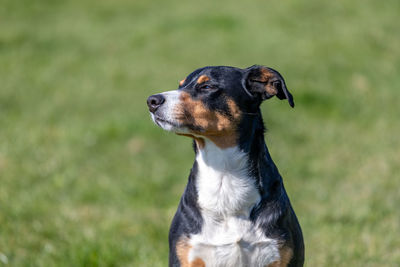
[207, 87]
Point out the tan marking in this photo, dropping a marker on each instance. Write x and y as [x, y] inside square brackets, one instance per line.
[217, 127]
[234, 109]
[199, 141]
[285, 255]
[198, 263]
[183, 250]
[203, 78]
[266, 75]
[182, 82]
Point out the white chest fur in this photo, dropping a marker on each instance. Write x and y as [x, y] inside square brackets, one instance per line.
[226, 195]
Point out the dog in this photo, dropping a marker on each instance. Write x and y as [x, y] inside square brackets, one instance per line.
[234, 210]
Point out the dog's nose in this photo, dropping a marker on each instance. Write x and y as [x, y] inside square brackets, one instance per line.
[154, 102]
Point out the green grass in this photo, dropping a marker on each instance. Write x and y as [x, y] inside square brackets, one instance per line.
[86, 179]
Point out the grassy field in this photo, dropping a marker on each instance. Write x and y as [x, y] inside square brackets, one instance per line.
[86, 179]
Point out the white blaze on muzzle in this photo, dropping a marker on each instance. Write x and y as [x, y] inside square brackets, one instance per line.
[165, 115]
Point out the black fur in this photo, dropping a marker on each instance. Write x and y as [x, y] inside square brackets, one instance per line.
[188, 219]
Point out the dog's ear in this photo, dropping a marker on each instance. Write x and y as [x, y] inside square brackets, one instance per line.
[265, 82]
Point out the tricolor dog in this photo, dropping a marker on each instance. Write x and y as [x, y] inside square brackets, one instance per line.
[234, 210]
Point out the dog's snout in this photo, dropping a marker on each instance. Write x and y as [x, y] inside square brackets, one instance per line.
[155, 101]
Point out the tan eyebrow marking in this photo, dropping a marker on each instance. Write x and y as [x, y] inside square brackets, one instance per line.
[203, 78]
[182, 82]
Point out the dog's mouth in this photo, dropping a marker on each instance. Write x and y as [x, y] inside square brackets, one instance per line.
[164, 123]
[158, 120]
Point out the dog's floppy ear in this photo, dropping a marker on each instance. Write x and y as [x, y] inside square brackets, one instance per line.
[266, 82]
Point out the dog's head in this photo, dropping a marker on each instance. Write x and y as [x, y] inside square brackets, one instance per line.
[211, 102]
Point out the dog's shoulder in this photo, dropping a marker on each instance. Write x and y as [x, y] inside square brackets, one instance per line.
[277, 219]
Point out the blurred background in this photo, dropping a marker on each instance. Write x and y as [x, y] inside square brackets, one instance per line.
[86, 179]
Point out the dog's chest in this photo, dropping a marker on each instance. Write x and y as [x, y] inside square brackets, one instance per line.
[226, 195]
[233, 242]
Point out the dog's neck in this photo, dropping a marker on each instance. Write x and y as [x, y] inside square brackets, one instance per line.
[228, 160]
[223, 183]
[229, 181]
